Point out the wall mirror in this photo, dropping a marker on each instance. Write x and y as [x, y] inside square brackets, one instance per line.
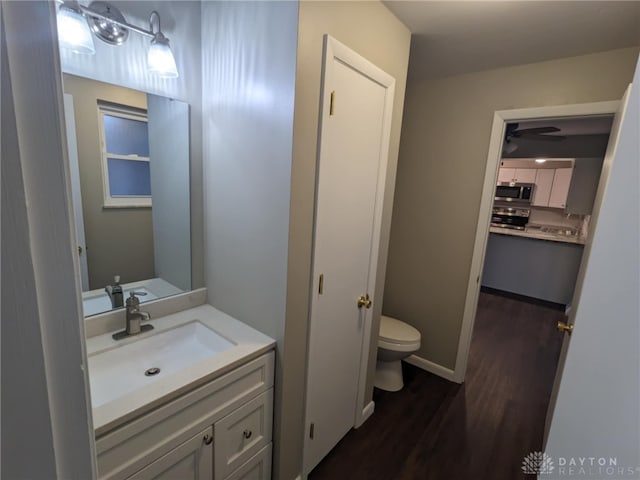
[129, 164]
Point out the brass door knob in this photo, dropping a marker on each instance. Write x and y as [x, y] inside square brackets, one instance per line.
[565, 327]
[364, 301]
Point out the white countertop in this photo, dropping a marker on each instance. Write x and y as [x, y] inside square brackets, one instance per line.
[536, 233]
[249, 344]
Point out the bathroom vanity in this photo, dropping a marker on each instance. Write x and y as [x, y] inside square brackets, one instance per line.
[190, 399]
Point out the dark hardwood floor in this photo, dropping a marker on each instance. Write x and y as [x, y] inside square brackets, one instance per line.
[437, 430]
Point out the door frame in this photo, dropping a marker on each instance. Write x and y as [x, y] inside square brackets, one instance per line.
[76, 195]
[333, 49]
[500, 119]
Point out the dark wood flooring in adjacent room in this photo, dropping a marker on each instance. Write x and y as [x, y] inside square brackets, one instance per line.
[437, 430]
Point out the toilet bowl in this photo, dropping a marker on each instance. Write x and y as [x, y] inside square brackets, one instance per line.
[396, 341]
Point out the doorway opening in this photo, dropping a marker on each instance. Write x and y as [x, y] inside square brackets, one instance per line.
[497, 148]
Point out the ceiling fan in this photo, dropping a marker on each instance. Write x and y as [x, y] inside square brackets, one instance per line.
[537, 133]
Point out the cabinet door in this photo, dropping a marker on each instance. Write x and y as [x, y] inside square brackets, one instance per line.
[193, 460]
[560, 188]
[525, 175]
[506, 175]
[544, 183]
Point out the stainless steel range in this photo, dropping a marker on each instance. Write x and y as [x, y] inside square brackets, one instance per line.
[510, 217]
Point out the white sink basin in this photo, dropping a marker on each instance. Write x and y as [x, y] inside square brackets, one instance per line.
[119, 370]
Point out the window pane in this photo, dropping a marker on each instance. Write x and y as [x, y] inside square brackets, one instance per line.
[125, 136]
[129, 177]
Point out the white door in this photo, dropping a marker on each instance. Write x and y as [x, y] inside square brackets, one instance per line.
[354, 145]
[72, 145]
[594, 411]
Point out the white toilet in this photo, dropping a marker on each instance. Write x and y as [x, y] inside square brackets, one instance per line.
[396, 341]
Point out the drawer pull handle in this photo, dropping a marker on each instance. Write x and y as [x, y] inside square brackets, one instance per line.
[208, 439]
[247, 434]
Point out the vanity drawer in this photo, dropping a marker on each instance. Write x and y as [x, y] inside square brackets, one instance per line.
[127, 449]
[257, 467]
[243, 433]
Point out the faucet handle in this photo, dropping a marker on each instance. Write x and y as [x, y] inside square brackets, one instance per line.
[133, 300]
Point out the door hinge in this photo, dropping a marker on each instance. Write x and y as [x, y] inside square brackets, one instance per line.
[321, 284]
[311, 430]
[331, 105]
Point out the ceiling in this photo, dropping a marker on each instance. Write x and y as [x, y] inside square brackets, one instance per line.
[596, 125]
[455, 37]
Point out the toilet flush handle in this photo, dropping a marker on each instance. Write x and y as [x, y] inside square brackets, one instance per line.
[364, 301]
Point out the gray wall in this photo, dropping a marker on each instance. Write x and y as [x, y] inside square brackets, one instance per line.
[112, 246]
[251, 183]
[46, 422]
[372, 31]
[126, 65]
[443, 157]
[249, 57]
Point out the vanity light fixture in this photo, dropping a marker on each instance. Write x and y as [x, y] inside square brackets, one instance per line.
[541, 160]
[110, 26]
[73, 30]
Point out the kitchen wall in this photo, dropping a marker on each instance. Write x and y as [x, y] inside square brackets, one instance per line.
[443, 156]
[126, 65]
[112, 249]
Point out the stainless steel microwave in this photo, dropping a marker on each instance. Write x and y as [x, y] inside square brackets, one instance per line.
[518, 193]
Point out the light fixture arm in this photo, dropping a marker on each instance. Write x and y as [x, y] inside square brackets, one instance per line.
[92, 13]
[154, 16]
[110, 26]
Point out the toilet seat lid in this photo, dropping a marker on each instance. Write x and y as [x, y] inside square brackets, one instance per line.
[395, 331]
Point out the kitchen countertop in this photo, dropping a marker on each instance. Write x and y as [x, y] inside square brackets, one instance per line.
[535, 231]
[248, 344]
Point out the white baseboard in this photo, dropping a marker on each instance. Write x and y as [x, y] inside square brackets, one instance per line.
[431, 367]
[299, 477]
[366, 413]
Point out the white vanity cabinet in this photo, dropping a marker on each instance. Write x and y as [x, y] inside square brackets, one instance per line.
[219, 430]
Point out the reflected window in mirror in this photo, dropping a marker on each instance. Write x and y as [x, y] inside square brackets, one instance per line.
[148, 248]
[125, 156]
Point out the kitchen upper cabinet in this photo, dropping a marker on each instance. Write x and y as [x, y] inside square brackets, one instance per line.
[584, 185]
[517, 175]
[560, 187]
[544, 184]
[506, 175]
[525, 175]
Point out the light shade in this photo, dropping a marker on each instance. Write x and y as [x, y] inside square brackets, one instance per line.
[160, 58]
[73, 30]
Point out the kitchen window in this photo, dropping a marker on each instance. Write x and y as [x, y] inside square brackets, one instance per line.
[126, 166]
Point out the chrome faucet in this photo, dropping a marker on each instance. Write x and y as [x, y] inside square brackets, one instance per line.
[134, 318]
